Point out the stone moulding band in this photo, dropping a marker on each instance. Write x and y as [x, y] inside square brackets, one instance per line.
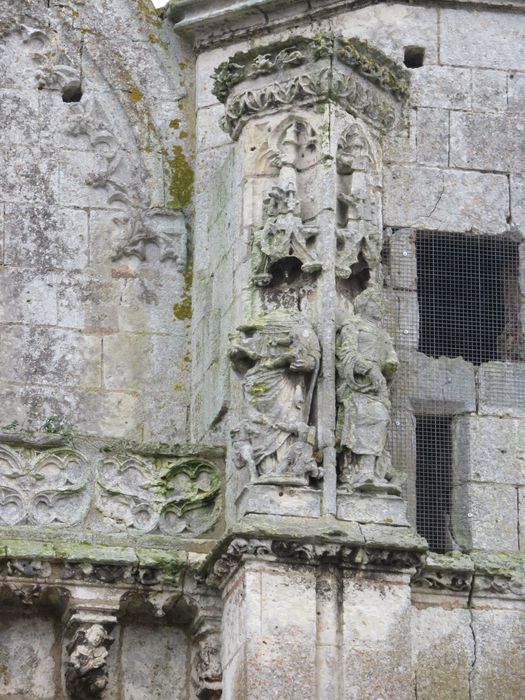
[211, 22]
[444, 576]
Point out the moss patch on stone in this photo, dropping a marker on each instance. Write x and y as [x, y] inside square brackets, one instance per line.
[181, 178]
[182, 311]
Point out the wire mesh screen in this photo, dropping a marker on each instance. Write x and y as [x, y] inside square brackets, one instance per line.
[434, 480]
[468, 297]
[455, 303]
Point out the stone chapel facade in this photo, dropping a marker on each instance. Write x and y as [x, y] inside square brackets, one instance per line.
[262, 428]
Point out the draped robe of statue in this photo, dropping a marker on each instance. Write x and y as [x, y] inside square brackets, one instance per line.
[366, 361]
[282, 354]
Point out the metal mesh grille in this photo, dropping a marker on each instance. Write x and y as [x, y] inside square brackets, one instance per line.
[433, 480]
[467, 295]
[455, 317]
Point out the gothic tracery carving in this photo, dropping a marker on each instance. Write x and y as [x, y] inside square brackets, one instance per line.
[175, 496]
[42, 488]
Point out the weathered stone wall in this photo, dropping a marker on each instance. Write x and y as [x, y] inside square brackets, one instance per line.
[95, 270]
[168, 526]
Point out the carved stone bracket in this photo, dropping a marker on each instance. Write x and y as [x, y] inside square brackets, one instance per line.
[361, 79]
[206, 658]
[86, 671]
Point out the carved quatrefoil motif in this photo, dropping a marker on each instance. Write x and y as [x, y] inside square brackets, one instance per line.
[42, 488]
[169, 495]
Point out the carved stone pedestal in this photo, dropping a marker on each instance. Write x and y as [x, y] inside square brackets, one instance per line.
[279, 500]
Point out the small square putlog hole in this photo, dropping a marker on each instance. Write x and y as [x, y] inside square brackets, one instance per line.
[414, 56]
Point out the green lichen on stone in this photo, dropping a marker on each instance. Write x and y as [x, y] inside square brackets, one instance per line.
[148, 12]
[183, 310]
[135, 94]
[374, 65]
[181, 178]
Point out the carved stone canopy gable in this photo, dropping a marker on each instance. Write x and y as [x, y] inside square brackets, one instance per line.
[360, 78]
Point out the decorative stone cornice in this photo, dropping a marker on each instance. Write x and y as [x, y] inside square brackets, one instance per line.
[360, 78]
[354, 556]
[218, 21]
[356, 53]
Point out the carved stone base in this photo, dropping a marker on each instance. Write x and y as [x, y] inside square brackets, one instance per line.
[282, 500]
[382, 509]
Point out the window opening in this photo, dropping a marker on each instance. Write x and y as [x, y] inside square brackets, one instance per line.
[434, 480]
[468, 297]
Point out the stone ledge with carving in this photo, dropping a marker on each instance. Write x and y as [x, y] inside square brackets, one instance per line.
[363, 80]
[345, 555]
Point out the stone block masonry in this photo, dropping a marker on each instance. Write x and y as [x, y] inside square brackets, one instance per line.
[219, 396]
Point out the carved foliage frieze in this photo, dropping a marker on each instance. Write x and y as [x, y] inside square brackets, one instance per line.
[43, 488]
[171, 496]
[298, 552]
[366, 60]
[363, 80]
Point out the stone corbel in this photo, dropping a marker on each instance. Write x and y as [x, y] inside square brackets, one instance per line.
[86, 648]
[206, 663]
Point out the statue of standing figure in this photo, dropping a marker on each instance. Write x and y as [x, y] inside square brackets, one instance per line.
[366, 362]
[277, 356]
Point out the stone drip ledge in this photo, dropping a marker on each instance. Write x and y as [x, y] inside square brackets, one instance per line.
[474, 576]
[56, 436]
[213, 22]
[69, 564]
[368, 549]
